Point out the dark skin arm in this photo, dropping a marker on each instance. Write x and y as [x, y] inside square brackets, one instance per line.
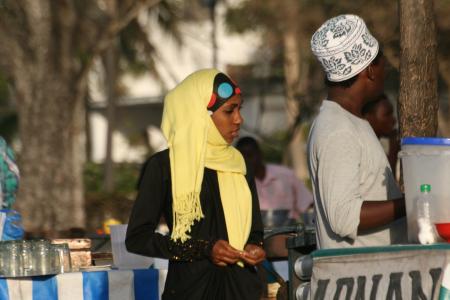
[378, 213]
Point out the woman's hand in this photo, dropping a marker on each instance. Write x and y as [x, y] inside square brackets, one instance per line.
[253, 254]
[223, 254]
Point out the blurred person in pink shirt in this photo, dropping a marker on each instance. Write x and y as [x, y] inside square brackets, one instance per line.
[278, 187]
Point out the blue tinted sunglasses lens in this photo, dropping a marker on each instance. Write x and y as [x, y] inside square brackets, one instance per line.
[225, 90]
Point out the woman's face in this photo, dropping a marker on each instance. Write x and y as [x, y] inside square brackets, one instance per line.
[228, 119]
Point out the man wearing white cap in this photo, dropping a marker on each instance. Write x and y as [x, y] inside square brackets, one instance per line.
[357, 200]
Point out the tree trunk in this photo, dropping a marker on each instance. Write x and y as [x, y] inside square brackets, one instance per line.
[47, 50]
[51, 126]
[418, 101]
[88, 127]
[110, 63]
[293, 71]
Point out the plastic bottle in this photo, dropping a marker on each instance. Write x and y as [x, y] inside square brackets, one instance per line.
[427, 235]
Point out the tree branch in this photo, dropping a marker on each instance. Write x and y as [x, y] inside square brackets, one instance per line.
[5, 51]
[115, 26]
[63, 27]
[14, 35]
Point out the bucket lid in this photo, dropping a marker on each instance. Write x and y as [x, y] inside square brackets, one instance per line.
[432, 141]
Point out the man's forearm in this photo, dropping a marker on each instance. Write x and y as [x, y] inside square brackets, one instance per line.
[378, 213]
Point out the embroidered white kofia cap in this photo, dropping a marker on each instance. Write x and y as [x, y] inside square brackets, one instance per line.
[344, 47]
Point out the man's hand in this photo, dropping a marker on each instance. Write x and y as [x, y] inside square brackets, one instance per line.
[253, 254]
[223, 254]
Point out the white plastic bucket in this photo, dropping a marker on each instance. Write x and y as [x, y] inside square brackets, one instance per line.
[426, 161]
[121, 257]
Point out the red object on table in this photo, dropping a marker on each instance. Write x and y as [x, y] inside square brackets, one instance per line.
[444, 230]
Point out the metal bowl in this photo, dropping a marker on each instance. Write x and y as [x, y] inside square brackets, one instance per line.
[276, 217]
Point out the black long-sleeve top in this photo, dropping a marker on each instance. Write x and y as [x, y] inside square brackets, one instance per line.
[191, 274]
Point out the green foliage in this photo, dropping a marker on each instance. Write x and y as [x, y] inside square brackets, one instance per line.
[193, 11]
[8, 125]
[92, 178]
[273, 147]
[138, 53]
[126, 176]
[101, 205]
[4, 91]
[251, 15]
[126, 179]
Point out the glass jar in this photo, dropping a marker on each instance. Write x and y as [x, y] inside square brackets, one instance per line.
[27, 258]
[62, 258]
[3, 256]
[42, 262]
[13, 263]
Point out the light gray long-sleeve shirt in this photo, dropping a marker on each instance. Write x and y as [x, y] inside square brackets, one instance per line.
[348, 165]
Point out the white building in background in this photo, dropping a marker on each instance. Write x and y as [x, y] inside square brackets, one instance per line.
[139, 113]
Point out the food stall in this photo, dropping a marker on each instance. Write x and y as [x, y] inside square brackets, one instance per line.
[385, 272]
[68, 269]
[409, 271]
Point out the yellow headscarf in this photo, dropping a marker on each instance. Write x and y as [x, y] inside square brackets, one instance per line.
[195, 143]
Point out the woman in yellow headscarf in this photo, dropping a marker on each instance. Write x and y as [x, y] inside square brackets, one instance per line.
[201, 186]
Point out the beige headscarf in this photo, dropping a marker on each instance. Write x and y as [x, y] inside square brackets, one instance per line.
[195, 143]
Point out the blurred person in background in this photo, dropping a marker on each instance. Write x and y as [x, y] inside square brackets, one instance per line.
[356, 197]
[9, 175]
[380, 114]
[209, 201]
[10, 220]
[283, 199]
[278, 187]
